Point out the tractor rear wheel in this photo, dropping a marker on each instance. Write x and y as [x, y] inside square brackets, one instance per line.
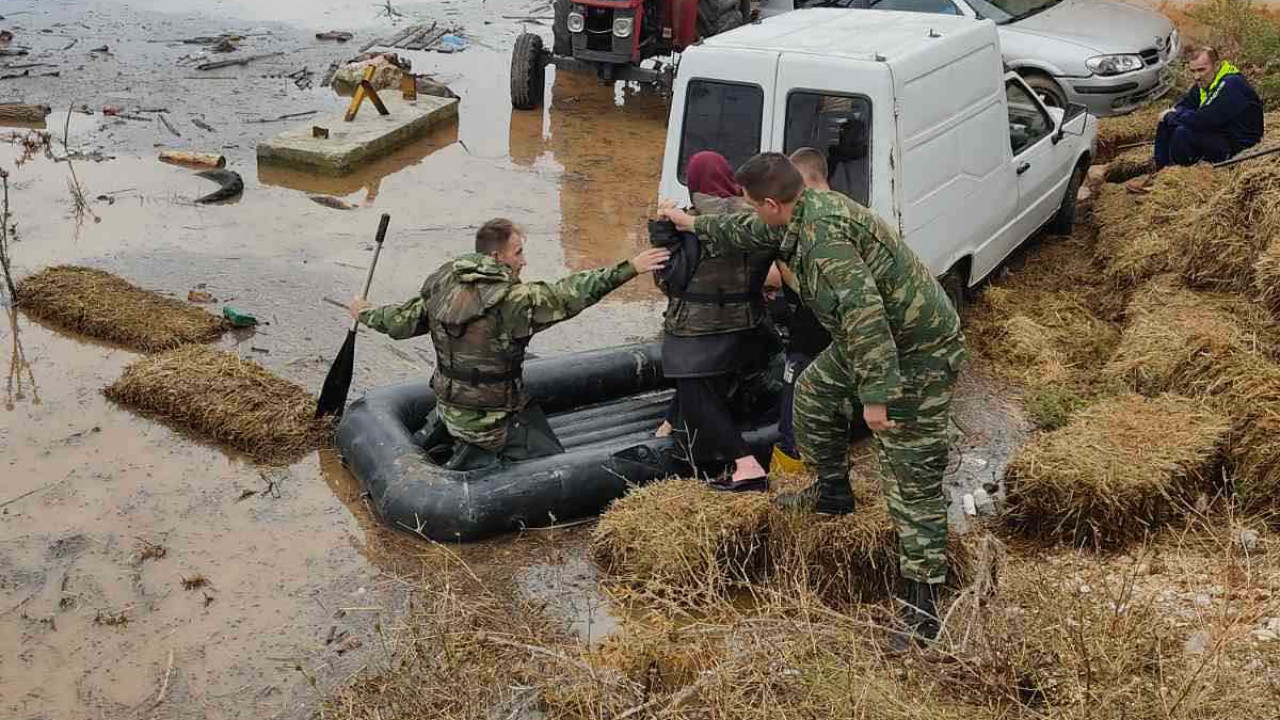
[528, 72]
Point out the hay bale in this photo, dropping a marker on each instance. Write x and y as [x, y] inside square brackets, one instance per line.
[223, 397]
[1119, 469]
[107, 307]
[1130, 164]
[847, 560]
[1221, 241]
[1139, 236]
[1181, 340]
[1119, 134]
[677, 536]
[1266, 277]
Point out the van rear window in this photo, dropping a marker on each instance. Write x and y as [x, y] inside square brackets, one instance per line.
[839, 128]
[723, 117]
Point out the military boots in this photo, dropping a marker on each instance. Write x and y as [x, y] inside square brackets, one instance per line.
[831, 496]
[919, 615]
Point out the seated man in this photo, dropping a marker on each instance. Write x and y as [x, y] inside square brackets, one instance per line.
[481, 317]
[1218, 117]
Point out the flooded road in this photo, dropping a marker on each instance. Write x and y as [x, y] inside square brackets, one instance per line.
[145, 573]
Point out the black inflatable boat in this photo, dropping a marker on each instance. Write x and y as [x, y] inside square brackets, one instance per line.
[604, 406]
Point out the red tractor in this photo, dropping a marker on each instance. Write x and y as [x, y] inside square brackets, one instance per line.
[611, 37]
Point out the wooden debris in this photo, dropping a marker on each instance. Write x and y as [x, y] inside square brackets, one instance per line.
[238, 61]
[17, 112]
[184, 157]
[165, 121]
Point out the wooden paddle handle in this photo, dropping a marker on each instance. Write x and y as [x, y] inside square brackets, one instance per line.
[377, 250]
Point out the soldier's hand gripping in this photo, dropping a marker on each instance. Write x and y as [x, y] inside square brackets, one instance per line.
[877, 417]
[356, 305]
[650, 260]
[683, 220]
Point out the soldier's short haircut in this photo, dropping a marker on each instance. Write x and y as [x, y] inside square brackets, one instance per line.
[810, 162]
[770, 176]
[494, 235]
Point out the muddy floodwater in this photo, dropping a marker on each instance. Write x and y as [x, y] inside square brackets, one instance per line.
[143, 572]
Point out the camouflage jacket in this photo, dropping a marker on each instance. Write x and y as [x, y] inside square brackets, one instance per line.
[517, 311]
[880, 303]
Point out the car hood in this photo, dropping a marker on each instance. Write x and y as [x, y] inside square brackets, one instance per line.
[1100, 25]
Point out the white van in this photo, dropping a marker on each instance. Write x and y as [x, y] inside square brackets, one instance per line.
[915, 114]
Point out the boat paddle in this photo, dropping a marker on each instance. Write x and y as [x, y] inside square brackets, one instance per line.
[333, 398]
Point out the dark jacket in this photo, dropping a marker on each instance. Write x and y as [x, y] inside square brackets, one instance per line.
[1231, 108]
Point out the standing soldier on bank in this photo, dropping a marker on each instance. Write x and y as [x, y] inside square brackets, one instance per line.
[896, 351]
[481, 318]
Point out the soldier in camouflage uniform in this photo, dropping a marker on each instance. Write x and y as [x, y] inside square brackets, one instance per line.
[896, 351]
[481, 317]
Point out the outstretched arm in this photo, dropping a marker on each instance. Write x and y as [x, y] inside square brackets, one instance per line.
[402, 321]
[533, 307]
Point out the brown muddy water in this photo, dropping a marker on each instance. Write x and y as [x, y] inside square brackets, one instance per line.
[273, 577]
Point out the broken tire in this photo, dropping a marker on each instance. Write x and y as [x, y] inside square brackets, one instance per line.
[528, 72]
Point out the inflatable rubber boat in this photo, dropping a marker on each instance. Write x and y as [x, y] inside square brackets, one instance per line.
[604, 406]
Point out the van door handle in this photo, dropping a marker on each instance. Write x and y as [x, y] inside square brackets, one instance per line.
[1023, 167]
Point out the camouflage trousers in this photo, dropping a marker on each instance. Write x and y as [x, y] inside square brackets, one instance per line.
[913, 456]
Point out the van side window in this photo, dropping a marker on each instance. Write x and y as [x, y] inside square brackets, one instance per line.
[839, 126]
[723, 117]
[1028, 123]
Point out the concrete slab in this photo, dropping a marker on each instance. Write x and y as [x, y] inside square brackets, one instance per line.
[352, 144]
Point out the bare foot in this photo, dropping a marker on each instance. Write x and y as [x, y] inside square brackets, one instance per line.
[664, 430]
[748, 468]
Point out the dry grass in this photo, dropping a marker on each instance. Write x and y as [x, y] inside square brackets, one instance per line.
[1130, 164]
[107, 307]
[1266, 277]
[1041, 324]
[677, 534]
[1121, 469]
[1165, 632]
[678, 541]
[1222, 240]
[1180, 340]
[1124, 133]
[228, 399]
[1139, 236]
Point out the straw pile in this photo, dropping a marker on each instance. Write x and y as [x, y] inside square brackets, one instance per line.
[1141, 236]
[1120, 134]
[1266, 277]
[1180, 340]
[846, 560]
[230, 400]
[1120, 469]
[104, 306]
[677, 536]
[1223, 239]
[1130, 164]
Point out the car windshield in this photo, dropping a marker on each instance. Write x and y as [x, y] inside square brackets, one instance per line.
[1007, 11]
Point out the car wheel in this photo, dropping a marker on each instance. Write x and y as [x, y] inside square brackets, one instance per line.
[528, 72]
[1065, 221]
[955, 284]
[1048, 90]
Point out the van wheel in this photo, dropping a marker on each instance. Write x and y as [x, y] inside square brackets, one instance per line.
[1065, 221]
[528, 72]
[1048, 90]
[955, 285]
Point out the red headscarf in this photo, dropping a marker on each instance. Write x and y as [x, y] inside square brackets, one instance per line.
[709, 173]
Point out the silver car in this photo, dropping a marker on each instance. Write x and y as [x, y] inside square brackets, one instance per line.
[1109, 56]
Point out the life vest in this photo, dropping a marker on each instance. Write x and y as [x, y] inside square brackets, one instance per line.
[724, 294]
[478, 364]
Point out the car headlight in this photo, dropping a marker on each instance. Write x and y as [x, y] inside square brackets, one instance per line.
[622, 27]
[1114, 64]
[576, 23]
